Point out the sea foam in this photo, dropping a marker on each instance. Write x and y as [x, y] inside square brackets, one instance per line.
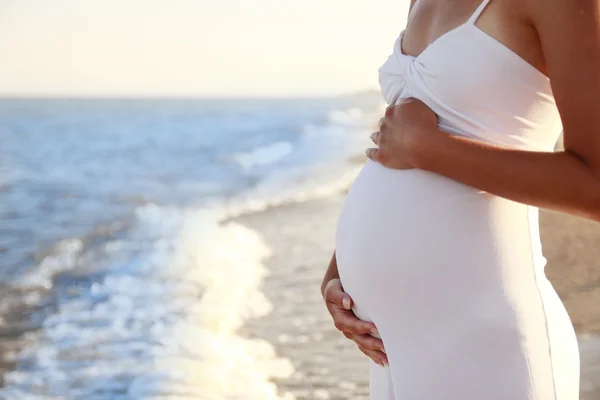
[162, 324]
[157, 317]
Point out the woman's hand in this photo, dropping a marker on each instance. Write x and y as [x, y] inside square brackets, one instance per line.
[339, 305]
[403, 126]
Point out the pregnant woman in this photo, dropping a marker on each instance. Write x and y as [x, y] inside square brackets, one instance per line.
[438, 271]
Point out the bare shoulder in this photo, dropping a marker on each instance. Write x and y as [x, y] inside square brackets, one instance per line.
[569, 30]
[569, 35]
[562, 10]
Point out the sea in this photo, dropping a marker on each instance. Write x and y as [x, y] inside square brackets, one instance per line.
[123, 274]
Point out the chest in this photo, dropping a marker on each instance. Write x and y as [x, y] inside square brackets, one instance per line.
[503, 20]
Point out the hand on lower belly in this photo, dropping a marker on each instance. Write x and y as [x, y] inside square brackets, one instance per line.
[339, 305]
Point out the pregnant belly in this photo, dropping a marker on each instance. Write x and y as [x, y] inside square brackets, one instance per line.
[450, 276]
[414, 233]
[404, 208]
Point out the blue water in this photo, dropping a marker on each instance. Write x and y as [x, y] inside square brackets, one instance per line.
[114, 207]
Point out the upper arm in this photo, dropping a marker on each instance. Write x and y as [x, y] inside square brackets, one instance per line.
[569, 32]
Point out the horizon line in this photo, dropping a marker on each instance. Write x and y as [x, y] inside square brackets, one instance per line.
[173, 96]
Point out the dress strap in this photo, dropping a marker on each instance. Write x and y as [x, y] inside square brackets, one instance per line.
[478, 12]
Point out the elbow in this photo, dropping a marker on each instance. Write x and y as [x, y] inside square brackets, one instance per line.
[582, 188]
[590, 208]
[594, 211]
[586, 199]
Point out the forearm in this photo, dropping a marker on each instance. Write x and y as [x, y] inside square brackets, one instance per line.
[560, 181]
[331, 273]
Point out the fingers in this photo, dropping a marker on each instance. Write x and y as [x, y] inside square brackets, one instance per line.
[339, 304]
[377, 356]
[370, 346]
[372, 153]
[334, 293]
[368, 342]
[389, 110]
[347, 322]
[375, 137]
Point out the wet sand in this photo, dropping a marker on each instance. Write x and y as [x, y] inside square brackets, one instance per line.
[328, 366]
[18, 323]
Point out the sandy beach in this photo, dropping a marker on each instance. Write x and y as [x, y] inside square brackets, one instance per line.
[327, 365]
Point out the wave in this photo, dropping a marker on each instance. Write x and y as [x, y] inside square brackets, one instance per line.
[161, 320]
[264, 155]
[153, 312]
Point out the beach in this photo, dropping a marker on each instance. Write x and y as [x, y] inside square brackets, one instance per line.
[119, 279]
[329, 366]
[195, 263]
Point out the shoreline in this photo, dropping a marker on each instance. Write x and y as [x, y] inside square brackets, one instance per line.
[327, 365]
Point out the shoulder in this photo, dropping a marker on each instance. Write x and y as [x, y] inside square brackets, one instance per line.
[577, 5]
[569, 34]
[568, 13]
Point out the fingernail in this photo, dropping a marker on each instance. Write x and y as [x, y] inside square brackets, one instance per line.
[367, 152]
[374, 330]
[382, 350]
[346, 303]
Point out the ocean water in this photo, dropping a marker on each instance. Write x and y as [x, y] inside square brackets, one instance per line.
[116, 234]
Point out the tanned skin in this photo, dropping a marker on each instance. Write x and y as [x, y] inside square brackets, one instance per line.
[560, 38]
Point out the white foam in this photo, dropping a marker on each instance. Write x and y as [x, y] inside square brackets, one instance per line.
[164, 323]
[351, 116]
[264, 155]
[63, 257]
[324, 170]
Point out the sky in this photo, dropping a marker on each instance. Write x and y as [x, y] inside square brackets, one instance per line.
[199, 48]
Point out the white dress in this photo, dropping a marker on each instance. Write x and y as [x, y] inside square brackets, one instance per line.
[453, 277]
